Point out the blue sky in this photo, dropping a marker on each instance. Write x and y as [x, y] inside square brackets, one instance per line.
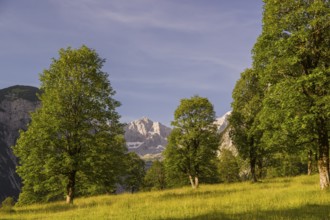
[157, 51]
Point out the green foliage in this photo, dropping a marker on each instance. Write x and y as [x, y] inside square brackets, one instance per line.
[74, 144]
[155, 178]
[283, 165]
[8, 202]
[228, 167]
[7, 205]
[174, 164]
[247, 103]
[292, 59]
[193, 142]
[135, 172]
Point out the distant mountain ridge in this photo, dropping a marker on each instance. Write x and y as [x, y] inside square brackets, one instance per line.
[149, 139]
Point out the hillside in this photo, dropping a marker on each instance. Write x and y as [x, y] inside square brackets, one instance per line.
[283, 198]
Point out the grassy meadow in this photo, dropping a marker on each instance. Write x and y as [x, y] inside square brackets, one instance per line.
[281, 198]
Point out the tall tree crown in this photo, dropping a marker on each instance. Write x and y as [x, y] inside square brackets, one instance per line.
[193, 142]
[75, 140]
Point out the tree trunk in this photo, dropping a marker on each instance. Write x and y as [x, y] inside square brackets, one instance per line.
[253, 170]
[260, 166]
[253, 161]
[70, 187]
[191, 181]
[309, 163]
[194, 182]
[324, 174]
[323, 162]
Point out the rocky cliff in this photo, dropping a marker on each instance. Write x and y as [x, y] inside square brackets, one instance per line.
[224, 129]
[223, 122]
[147, 138]
[15, 105]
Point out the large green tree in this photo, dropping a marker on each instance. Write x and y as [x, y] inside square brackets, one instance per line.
[194, 141]
[247, 103]
[292, 56]
[74, 143]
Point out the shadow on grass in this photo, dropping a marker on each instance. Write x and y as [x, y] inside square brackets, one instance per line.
[53, 208]
[194, 193]
[49, 208]
[310, 212]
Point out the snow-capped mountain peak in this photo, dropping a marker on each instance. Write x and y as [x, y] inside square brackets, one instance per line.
[149, 139]
[141, 126]
[146, 137]
[223, 122]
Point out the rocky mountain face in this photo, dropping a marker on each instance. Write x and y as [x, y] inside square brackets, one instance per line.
[223, 122]
[225, 142]
[146, 138]
[15, 105]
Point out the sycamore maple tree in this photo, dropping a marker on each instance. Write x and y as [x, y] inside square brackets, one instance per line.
[194, 141]
[74, 143]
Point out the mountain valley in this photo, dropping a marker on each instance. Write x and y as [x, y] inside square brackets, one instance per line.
[143, 136]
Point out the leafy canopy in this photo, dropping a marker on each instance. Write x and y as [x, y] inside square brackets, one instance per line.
[292, 59]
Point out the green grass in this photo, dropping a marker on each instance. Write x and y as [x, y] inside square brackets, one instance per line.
[282, 198]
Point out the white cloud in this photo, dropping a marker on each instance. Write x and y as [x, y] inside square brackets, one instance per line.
[151, 14]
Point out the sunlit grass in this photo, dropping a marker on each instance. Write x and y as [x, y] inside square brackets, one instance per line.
[283, 198]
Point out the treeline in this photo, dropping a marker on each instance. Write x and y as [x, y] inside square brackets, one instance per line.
[281, 106]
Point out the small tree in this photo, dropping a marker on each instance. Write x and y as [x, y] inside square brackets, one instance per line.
[74, 142]
[228, 167]
[155, 177]
[135, 172]
[7, 204]
[194, 141]
[247, 103]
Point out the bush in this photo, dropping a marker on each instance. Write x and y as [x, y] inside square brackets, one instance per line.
[155, 177]
[8, 204]
[228, 167]
[282, 165]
